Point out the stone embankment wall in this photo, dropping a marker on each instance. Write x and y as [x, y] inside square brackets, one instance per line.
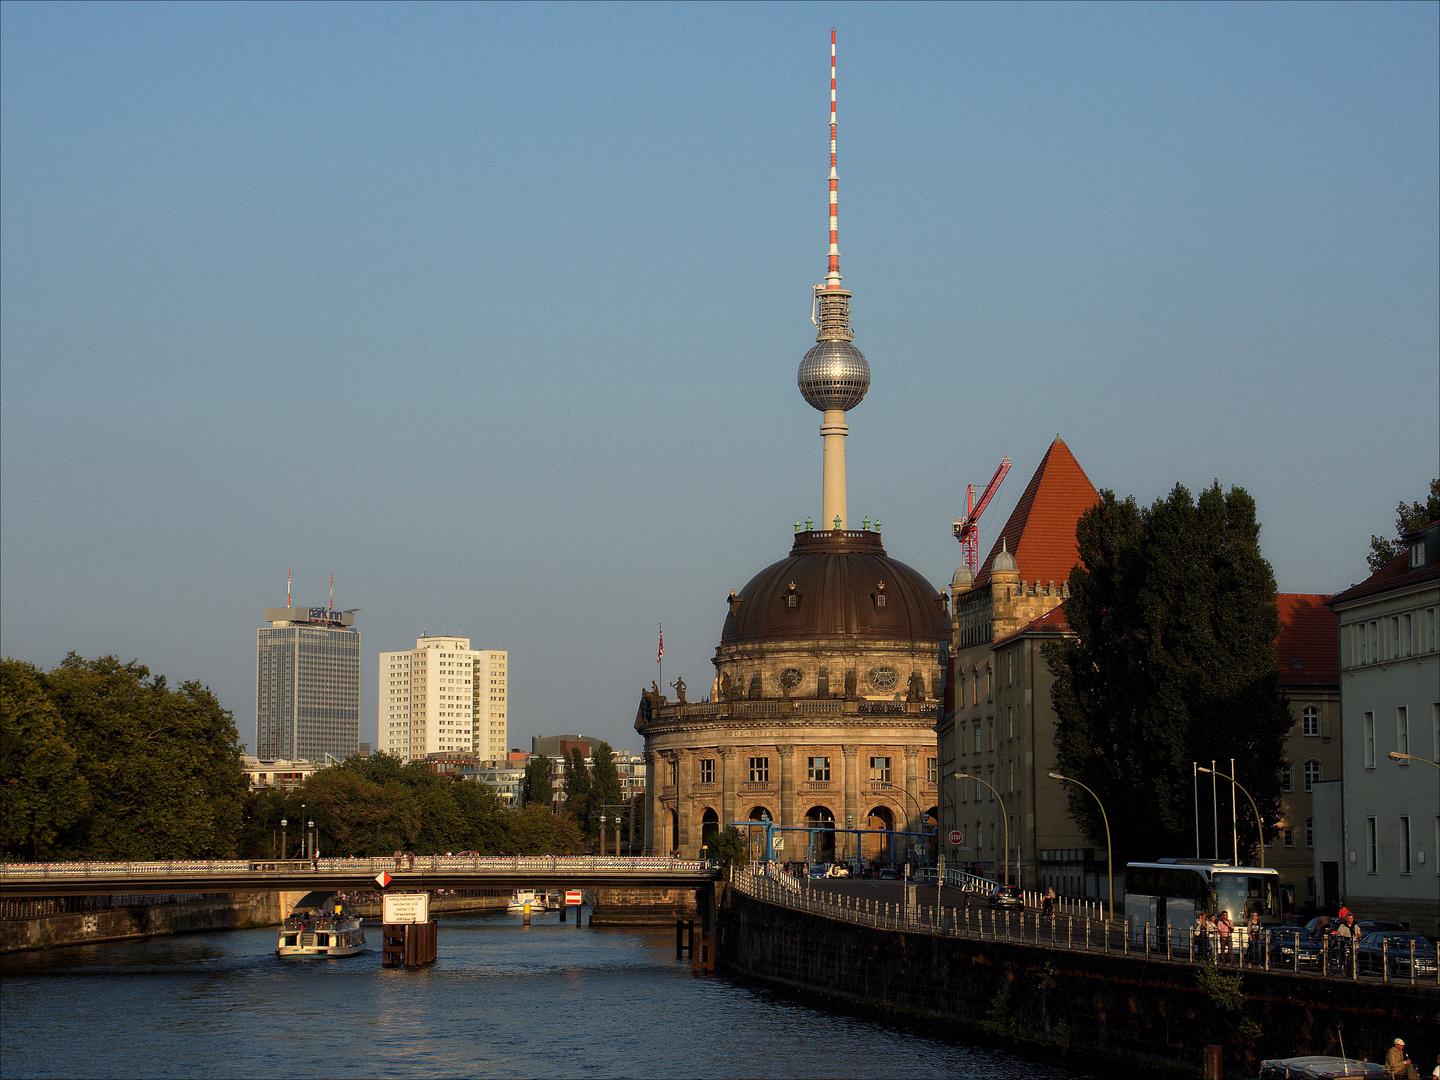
[642, 907]
[233, 912]
[1147, 1013]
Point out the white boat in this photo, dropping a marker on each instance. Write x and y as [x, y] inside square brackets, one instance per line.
[319, 926]
[520, 897]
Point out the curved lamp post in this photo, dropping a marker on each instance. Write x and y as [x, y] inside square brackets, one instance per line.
[1109, 849]
[919, 813]
[1004, 820]
[1396, 755]
[1259, 825]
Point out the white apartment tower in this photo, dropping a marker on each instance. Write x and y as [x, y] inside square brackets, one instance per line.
[443, 697]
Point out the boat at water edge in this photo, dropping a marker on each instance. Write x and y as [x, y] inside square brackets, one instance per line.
[318, 926]
[520, 897]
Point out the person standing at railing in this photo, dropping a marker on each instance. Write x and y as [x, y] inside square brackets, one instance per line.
[1224, 929]
[1202, 937]
[1254, 934]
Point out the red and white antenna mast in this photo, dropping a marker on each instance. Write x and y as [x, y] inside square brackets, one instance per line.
[832, 279]
[332, 590]
[287, 588]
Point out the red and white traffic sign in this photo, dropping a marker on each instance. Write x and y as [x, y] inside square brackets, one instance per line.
[956, 836]
[572, 897]
[382, 879]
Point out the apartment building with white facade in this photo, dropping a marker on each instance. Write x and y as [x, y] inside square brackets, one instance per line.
[442, 697]
[1389, 850]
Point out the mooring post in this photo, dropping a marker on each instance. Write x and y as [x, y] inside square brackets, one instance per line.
[1214, 1062]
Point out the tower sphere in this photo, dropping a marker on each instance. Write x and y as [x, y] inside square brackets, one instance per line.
[834, 375]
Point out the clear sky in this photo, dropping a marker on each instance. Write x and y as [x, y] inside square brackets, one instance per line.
[495, 311]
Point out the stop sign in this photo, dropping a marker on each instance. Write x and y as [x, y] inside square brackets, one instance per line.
[956, 836]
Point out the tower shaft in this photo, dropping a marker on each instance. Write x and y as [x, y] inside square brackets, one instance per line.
[833, 430]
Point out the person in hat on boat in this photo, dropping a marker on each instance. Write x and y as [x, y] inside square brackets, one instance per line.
[1397, 1063]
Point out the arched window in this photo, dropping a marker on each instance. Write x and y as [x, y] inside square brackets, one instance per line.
[822, 844]
[709, 826]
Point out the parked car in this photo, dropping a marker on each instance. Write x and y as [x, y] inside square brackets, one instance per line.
[888, 873]
[1389, 949]
[1283, 942]
[1007, 896]
[819, 870]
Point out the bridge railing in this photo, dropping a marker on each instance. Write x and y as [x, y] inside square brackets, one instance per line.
[1062, 931]
[479, 864]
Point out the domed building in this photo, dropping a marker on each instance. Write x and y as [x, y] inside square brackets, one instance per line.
[821, 717]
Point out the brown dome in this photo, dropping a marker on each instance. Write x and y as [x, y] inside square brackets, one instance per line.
[840, 585]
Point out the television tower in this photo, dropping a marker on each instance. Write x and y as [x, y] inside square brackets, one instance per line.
[834, 375]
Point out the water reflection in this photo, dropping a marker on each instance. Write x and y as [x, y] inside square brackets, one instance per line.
[502, 1000]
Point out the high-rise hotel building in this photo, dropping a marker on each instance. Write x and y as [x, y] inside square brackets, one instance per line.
[307, 685]
[443, 697]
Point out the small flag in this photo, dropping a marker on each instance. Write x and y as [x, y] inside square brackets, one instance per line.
[382, 879]
[661, 654]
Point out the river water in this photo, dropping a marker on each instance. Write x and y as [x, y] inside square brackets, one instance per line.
[552, 1000]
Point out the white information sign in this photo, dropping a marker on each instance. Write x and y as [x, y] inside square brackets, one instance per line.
[407, 907]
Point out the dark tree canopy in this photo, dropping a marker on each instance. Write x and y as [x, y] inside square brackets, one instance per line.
[537, 788]
[104, 762]
[1407, 519]
[577, 790]
[1173, 662]
[604, 782]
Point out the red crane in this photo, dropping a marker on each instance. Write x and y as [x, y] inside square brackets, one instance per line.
[967, 530]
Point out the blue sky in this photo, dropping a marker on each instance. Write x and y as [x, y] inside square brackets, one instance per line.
[494, 311]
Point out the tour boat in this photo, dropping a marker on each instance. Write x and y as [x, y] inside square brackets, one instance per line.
[520, 897]
[319, 925]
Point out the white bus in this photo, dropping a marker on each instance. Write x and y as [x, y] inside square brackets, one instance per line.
[1168, 894]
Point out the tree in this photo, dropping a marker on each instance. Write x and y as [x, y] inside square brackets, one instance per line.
[1407, 519]
[42, 793]
[1172, 662]
[538, 786]
[604, 782]
[577, 790]
[162, 766]
[730, 847]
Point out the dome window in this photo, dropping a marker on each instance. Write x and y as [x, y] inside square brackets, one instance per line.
[878, 596]
[734, 600]
[791, 678]
[792, 597]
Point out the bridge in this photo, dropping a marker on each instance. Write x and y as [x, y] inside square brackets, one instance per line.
[407, 874]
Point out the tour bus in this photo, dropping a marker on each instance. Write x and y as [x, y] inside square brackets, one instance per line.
[1168, 894]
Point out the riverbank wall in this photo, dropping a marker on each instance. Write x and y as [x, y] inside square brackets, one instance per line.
[228, 911]
[643, 907]
[1154, 1016]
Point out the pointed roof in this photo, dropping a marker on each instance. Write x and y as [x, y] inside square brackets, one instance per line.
[1308, 648]
[1041, 530]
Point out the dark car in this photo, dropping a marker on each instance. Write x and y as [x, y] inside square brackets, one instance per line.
[888, 873]
[1291, 946]
[1388, 949]
[1007, 896]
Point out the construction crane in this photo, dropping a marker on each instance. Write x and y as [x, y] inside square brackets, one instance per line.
[967, 529]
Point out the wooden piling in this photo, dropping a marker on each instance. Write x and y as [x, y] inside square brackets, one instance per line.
[409, 944]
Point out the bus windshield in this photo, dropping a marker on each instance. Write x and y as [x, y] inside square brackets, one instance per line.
[1240, 893]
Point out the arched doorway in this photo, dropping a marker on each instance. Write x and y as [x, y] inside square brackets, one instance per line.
[822, 844]
[709, 826]
[932, 827]
[880, 848]
[759, 815]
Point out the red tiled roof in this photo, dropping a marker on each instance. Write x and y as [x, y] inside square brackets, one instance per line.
[1052, 622]
[1308, 648]
[1041, 530]
[1396, 572]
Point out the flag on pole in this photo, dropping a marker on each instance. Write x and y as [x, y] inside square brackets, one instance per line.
[661, 654]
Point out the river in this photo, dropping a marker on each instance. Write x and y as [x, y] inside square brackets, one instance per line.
[501, 1000]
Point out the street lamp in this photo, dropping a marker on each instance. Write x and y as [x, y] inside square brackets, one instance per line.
[1004, 820]
[1396, 755]
[1258, 824]
[1109, 849]
[284, 847]
[919, 813]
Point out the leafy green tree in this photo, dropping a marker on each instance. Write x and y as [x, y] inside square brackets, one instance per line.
[533, 830]
[1407, 519]
[538, 786]
[1173, 661]
[577, 791]
[162, 766]
[730, 847]
[604, 782]
[42, 794]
